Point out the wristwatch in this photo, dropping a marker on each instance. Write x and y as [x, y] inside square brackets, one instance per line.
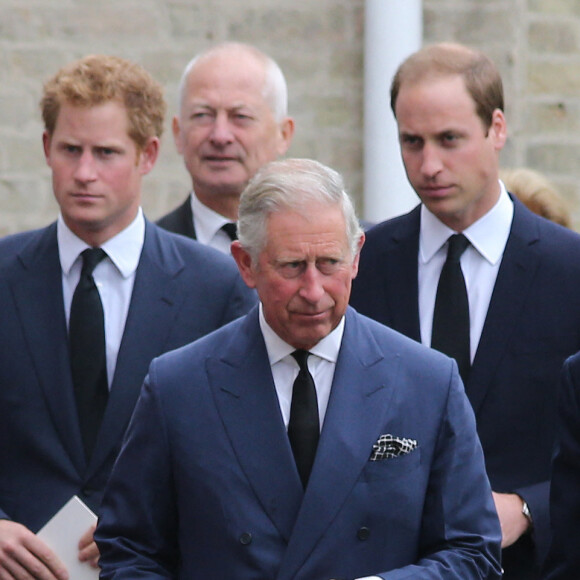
[526, 512]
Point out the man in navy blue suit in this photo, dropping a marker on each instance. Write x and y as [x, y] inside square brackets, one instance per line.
[520, 275]
[153, 291]
[302, 440]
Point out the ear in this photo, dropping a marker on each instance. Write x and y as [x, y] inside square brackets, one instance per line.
[176, 129]
[149, 155]
[286, 134]
[46, 141]
[244, 262]
[498, 129]
[356, 260]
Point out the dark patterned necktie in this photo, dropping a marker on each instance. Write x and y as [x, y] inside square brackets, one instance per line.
[451, 316]
[232, 230]
[303, 427]
[87, 351]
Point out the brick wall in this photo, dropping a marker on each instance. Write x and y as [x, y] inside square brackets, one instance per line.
[319, 45]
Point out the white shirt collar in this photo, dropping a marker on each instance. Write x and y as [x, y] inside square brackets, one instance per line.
[124, 249]
[209, 222]
[277, 349]
[488, 235]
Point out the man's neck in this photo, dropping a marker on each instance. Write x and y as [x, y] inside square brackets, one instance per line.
[96, 237]
[464, 219]
[226, 205]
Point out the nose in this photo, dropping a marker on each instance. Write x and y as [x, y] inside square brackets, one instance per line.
[85, 170]
[312, 287]
[221, 133]
[431, 163]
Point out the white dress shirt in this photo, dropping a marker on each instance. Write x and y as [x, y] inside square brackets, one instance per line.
[321, 364]
[480, 263]
[207, 224]
[114, 277]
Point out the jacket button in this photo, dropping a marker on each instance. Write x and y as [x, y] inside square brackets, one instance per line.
[363, 533]
[246, 538]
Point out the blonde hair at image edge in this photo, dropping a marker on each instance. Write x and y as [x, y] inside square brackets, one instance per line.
[536, 192]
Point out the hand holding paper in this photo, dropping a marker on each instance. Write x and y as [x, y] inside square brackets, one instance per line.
[88, 550]
[66, 532]
[22, 553]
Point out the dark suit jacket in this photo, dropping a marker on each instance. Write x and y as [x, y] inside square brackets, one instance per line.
[563, 562]
[180, 220]
[532, 325]
[182, 291]
[214, 492]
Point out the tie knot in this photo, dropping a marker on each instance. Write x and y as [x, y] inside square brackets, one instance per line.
[231, 229]
[301, 357]
[91, 257]
[457, 245]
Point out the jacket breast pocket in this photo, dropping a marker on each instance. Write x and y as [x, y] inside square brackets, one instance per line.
[393, 467]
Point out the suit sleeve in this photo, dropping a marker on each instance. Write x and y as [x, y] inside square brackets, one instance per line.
[136, 541]
[460, 534]
[564, 555]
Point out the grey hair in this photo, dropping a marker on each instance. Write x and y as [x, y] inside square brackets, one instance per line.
[275, 90]
[290, 184]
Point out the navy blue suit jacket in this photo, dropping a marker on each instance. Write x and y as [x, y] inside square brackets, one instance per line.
[179, 220]
[213, 491]
[182, 291]
[563, 562]
[532, 325]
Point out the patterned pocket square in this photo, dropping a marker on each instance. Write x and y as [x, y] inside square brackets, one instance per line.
[389, 446]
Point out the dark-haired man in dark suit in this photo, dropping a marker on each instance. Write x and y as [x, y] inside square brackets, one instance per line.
[516, 274]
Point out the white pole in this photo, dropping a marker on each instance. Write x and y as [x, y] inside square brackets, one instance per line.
[393, 30]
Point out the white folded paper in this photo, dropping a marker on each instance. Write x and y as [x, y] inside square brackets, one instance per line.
[62, 534]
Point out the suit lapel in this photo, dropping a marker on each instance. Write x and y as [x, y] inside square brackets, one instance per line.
[357, 411]
[516, 273]
[185, 215]
[155, 299]
[39, 300]
[246, 399]
[400, 279]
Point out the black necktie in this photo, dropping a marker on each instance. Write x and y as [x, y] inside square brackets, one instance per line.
[231, 229]
[303, 427]
[87, 351]
[451, 316]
